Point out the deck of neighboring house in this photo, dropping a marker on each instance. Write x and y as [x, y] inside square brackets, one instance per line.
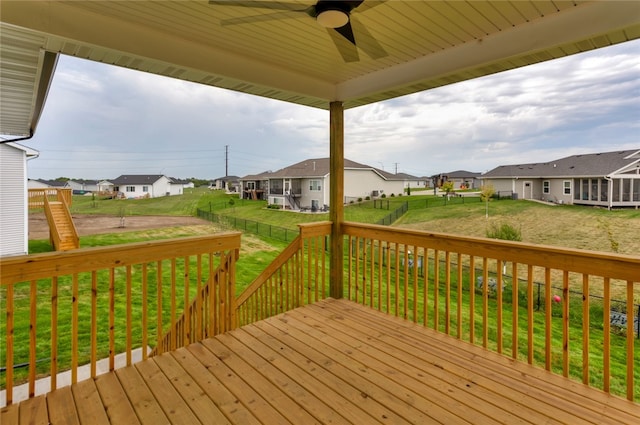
[329, 362]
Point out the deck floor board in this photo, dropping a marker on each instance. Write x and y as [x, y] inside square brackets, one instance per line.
[330, 362]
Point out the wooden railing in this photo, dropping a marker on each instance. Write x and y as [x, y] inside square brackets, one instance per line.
[210, 313]
[482, 290]
[298, 276]
[64, 309]
[37, 196]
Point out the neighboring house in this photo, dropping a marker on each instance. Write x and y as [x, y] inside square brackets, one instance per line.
[227, 183]
[105, 186]
[411, 181]
[46, 184]
[466, 179]
[305, 185]
[178, 185]
[144, 186]
[81, 186]
[14, 204]
[610, 179]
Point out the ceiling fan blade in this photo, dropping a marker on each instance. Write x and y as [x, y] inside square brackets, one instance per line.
[347, 32]
[259, 18]
[366, 41]
[261, 5]
[345, 47]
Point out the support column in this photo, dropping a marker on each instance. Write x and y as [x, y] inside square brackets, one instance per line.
[336, 197]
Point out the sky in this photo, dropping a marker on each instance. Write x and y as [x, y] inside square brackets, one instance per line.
[102, 121]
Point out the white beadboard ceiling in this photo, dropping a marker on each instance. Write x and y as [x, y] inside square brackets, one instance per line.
[428, 44]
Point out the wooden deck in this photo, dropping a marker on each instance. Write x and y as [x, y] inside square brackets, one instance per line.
[331, 362]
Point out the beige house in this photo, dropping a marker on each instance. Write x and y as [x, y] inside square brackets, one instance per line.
[608, 179]
[305, 185]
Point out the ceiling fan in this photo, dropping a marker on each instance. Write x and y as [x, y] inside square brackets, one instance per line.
[347, 33]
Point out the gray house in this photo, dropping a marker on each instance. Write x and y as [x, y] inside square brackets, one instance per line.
[609, 179]
[305, 185]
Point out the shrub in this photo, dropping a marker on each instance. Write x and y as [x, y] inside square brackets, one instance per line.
[368, 198]
[504, 231]
[359, 199]
[392, 195]
[384, 195]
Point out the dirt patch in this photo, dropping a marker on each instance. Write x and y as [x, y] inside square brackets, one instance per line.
[87, 224]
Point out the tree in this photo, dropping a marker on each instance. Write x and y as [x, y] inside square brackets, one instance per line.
[486, 192]
[447, 187]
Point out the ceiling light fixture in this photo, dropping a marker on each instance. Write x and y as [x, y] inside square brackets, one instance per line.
[332, 18]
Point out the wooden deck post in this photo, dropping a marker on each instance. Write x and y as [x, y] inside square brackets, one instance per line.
[336, 196]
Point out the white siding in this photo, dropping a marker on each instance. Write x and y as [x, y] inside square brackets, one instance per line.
[13, 200]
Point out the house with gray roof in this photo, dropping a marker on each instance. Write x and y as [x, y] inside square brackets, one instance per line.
[144, 186]
[305, 185]
[608, 179]
[461, 179]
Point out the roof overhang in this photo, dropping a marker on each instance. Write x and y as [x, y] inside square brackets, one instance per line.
[428, 44]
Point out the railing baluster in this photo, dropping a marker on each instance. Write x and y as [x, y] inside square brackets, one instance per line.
[447, 291]
[397, 279]
[585, 328]
[9, 347]
[32, 336]
[187, 337]
[174, 330]
[436, 289]
[515, 304]
[499, 327]
[145, 310]
[472, 299]
[94, 323]
[129, 313]
[485, 302]
[459, 300]
[547, 318]
[405, 283]
[54, 333]
[159, 327]
[630, 342]
[565, 323]
[74, 328]
[529, 314]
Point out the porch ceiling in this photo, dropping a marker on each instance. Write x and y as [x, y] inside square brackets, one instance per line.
[427, 44]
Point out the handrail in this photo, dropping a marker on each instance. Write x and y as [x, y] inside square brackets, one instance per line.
[86, 296]
[297, 276]
[474, 288]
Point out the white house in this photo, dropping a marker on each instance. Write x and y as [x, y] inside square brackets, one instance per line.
[305, 185]
[144, 186]
[14, 203]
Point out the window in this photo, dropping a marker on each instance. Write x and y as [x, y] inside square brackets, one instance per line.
[314, 185]
[131, 189]
[251, 185]
[145, 188]
[546, 186]
[566, 187]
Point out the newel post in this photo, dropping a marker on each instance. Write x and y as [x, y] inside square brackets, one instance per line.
[336, 196]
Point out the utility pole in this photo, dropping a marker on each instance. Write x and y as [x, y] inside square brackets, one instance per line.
[226, 160]
[396, 165]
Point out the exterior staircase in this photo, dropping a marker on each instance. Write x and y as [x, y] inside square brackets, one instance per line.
[62, 231]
